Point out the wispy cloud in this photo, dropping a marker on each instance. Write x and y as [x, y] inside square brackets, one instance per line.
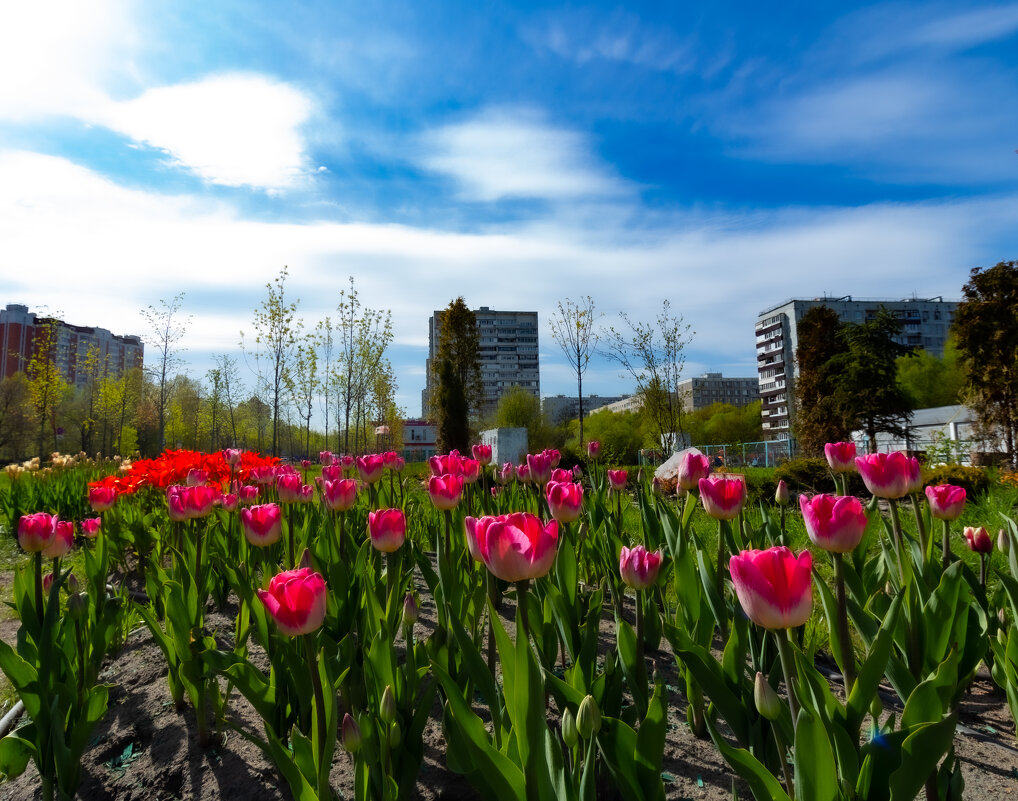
[234, 130]
[505, 153]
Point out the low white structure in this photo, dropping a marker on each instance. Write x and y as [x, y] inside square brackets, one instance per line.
[507, 444]
[941, 427]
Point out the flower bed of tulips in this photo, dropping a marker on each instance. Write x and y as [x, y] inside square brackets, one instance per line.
[323, 570]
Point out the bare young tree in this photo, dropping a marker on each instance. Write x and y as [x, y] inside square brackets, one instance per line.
[232, 389]
[573, 330]
[165, 330]
[652, 354]
[304, 384]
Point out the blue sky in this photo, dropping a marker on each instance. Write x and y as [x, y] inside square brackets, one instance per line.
[725, 156]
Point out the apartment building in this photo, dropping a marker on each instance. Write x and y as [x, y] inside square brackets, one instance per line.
[926, 322]
[561, 408]
[697, 393]
[508, 355]
[20, 328]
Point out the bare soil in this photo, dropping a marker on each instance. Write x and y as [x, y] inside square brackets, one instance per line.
[144, 750]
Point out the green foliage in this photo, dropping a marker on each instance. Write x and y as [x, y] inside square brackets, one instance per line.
[725, 424]
[457, 376]
[817, 419]
[930, 381]
[814, 475]
[975, 480]
[621, 434]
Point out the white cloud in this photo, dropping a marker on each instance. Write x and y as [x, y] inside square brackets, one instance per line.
[235, 129]
[516, 153]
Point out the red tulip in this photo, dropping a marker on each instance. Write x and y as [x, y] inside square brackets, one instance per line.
[840, 456]
[445, 491]
[833, 522]
[593, 449]
[101, 498]
[565, 500]
[722, 498]
[262, 524]
[296, 601]
[978, 539]
[617, 479]
[339, 495]
[482, 453]
[639, 567]
[539, 467]
[90, 526]
[775, 586]
[387, 528]
[886, 475]
[692, 467]
[520, 547]
[63, 540]
[946, 501]
[370, 467]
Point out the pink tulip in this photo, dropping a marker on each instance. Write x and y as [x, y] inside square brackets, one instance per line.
[560, 476]
[348, 462]
[262, 524]
[445, 491]
[339, 495]
[978, 539]
[577, 472]
[232, 456]
[565, 500]
[332, 472]
[946, 501]
[834, 523]
[482, 453]
[471, 470]
[248, 493]
[325, 458]
[523, 473]
[449, 464]
[520, 547]
[63, 540]
[506, 474]
[288, 486]
[639, 567]
[886, 475]
[722, 498]
[305, 464]
[554, 456]
[840, 456]
[370, 467]
[263, 475]
[296, 601]
[101, 498]
[774, 586]
[539, 467]
[476, 533]
[593, 449]
[229, 502]
[781, 494]
[617, 479]
[196, 477]
[692, 467]
[915, 474]
[90, 526]
[387, 528]
[199, 501]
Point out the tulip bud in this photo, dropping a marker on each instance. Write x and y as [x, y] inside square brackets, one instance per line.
[588, 718]
[410, 611]
[77, 606]
[387, 709]
[781, 494]
[570, 736]
[767, 702]
[72, 583]
[1003, 541]
[350, 734]
[305, 559]
[1002, 637]
[1002, 617]
[876, 707]
[395, 735]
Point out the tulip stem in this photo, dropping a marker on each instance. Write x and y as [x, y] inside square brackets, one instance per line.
[946, 555]
[896, 532]
[38, 586]
[847, 653]
[982, 571]
[924, 539]
[316, 683]
[290, 536]
[493, 598]
[788, 668]
[521, 604]
[783, 756]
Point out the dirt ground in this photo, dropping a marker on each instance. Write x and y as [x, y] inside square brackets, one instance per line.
[145, 751]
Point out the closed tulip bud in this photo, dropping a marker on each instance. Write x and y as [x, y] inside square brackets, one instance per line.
[588, 718]
[1002, 617]
[978, 539]
[1002, 637]
[570, 736]
[1003, 541]
[77, 606]
[876, 707]
[781, 495]
[767, 702]
[410, 610]
[387, 708]
[72, 583]
[395, 735]
[350, 734]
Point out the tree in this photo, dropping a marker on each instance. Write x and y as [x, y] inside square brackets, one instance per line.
[986, 326]
[621, 434]
[574, 332]
[725, 424]
[457, 375]
[303, 383]
[817, 420]
[929, 380]
[868, 395]
[653, 355]
[166, 331]
[46, 386]
[15, 416]
[230, 377]
[276, 337]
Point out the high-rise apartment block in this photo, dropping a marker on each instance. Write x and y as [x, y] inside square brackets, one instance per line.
[20, 330]
[925, 324]
[508, 355]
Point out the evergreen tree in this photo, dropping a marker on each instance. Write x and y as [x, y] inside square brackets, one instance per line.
[457, 376]
[817, 419]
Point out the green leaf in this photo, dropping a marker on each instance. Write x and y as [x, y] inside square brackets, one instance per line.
[920, 753]
[872, 668]
[650, 745]
[14, 755]
[816, 776]
[636, 672]
[761, 783]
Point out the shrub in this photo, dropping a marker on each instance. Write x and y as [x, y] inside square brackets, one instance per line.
[814, 475]
[975, 480]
